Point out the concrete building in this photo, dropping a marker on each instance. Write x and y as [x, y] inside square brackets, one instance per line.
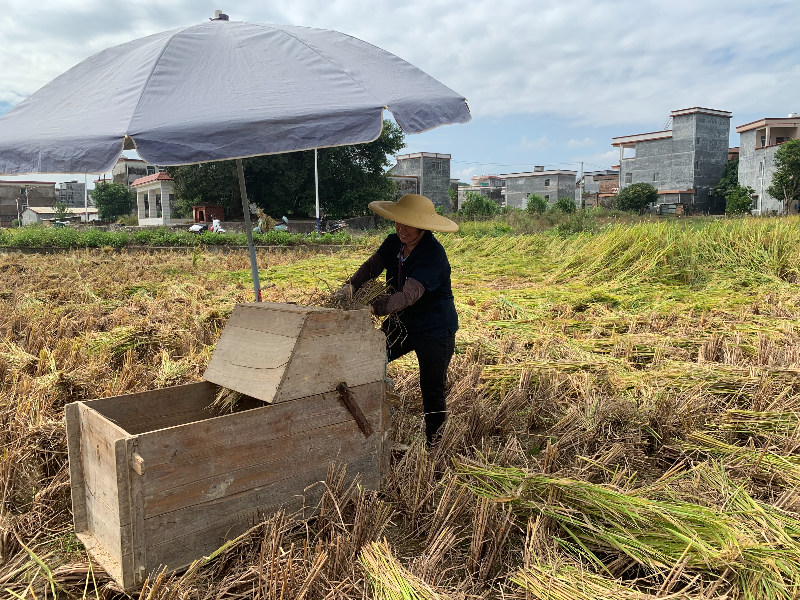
[596, 183]
[431, 173]
[128, 170]
[72, 193]
[550, 185]
[42, 214]
[17, 195]
[682, 163]
[758, 142]
[150, 194]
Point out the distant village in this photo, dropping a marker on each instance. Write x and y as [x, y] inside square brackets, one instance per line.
[683, 162]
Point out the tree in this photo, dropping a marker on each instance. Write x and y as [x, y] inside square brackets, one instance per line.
[453, 195]
[350, 177]
[478, 205]
[536, 204]
[60, 210]
[739, 200]
[565, 205]
[636, 197]
[727, 183]
[786, 179]
[113, 200]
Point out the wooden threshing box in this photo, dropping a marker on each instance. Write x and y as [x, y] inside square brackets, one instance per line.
[158, 480]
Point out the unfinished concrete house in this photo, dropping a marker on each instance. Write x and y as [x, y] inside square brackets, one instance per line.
[489, 186]
[17, 195]
[550, 185]
[683, 163]
[597, 186]
[758, 142]
[432, 174]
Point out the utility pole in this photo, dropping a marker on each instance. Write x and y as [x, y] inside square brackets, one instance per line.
[583, 204]
[86, 198]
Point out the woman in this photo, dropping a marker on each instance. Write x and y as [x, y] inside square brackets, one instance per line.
[422, 315]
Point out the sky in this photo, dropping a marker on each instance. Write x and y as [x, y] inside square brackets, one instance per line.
[548, 82]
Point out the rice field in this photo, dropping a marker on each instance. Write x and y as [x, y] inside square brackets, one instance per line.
[625, 419]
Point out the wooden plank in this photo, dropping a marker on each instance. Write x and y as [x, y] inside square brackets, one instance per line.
[319, 364]
[99, 553]
[72, 418]
[102, 521]
[337, 322]
[352, 405]
[178, 538]
[220, 445]
[269, 317]
[250, 362]
[279, 459]
[125, 451]
[98, 461]
[156, 409]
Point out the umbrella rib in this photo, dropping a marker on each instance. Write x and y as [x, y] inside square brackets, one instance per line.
[329, 61]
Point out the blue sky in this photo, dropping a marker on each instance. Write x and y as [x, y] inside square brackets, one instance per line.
[548, 82]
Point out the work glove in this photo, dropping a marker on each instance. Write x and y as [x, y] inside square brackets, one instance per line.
[344, 293]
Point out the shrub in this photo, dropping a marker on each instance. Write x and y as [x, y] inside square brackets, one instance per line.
[739, 200]
[113, 200]
[565, 205]
[536, 204]
[478, 205]
[636, 197]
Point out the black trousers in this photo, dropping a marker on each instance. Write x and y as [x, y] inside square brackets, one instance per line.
[434, 357]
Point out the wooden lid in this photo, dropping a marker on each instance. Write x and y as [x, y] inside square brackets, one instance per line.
[278, 352]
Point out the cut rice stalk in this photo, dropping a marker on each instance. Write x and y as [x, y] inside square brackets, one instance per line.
[390, 580]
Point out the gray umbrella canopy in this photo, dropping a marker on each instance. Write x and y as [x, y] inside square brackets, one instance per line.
[220, 90]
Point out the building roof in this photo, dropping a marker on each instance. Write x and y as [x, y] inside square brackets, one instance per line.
[676, 192]
[19, 181]
[126, 159]
[151, 178]
[49, 210]
[539, 174]
[780, 121]
[420, 154]
[699, 109]
[626, 140]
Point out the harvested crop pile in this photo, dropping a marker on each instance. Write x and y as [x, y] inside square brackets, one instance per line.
[624, 420]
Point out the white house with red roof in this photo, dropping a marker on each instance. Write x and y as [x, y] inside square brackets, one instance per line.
[154, 199]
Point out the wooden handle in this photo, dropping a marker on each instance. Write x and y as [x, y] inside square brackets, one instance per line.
[354, 408]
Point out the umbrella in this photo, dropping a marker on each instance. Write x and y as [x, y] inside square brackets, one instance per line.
[216, 91]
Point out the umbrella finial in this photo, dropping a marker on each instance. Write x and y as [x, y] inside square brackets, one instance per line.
[220, 16]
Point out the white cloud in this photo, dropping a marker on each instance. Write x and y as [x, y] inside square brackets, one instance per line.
[594, 62]
[464, 174]
[538, 145]
[580, 143]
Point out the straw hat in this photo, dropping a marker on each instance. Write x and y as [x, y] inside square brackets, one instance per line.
[415, 211]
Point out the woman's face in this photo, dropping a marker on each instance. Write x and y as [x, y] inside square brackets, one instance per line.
[406, 233]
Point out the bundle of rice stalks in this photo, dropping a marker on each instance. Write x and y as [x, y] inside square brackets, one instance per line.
[372, 290]
[761, 422]
[225, 401]
[390, 580]
[784, 468]
[599, 521]
[571, 582]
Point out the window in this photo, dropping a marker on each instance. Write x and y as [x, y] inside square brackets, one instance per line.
[628, 177]
[763, 141]
[151, 170]
[697, 164]
[546, 183]
[697, 140]
[547, 197]
[655, 176]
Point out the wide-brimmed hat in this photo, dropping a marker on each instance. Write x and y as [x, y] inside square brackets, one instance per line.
[415, 211]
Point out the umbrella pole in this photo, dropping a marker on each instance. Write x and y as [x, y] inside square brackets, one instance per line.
[316, 185]
[248, 228]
